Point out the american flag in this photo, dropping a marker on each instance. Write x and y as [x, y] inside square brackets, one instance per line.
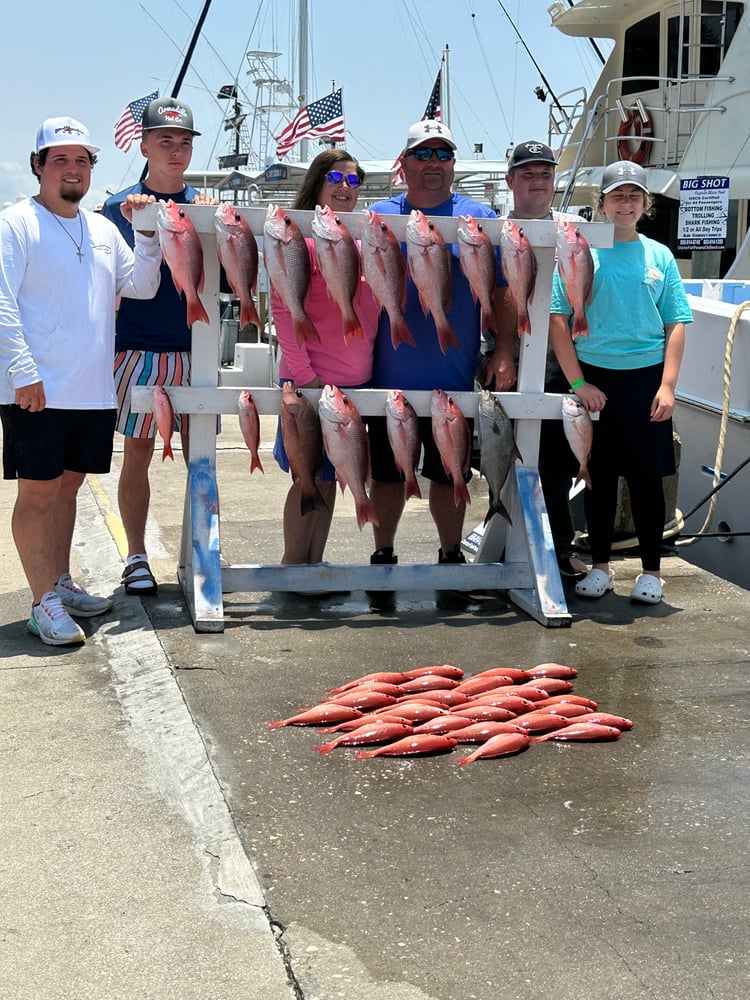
[321, 119]
[128, 128]
[431, 111]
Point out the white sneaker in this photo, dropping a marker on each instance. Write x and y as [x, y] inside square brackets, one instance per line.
[77, 601]
[51, 623]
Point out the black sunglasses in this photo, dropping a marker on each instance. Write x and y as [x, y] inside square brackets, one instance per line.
[424, 153]
[336, 177]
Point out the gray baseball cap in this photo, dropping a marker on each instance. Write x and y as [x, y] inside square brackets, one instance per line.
[168, 112]
[624, 172]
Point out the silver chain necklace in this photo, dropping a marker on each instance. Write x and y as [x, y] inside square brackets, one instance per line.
[78, 246]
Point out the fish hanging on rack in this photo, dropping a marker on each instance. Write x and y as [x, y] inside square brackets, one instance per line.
[385, 272]
[183, 254]
[338, 261]
[287, 263]
[429, 263]
[520, 269]
[237, 250]
[575, 266]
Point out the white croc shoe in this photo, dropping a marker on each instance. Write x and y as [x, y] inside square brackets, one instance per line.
[647, 589]
[596, 583]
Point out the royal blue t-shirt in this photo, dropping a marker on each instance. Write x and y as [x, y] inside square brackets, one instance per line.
[158, 324]
[425, 366]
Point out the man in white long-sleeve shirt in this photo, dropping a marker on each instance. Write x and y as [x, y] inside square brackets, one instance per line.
[61, 270]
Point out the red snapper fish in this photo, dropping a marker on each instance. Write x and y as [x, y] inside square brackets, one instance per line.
[384, 676]
[385, 272]
[237, 250]
[250, 427]
[320, 715]
[552, 670]
[164, 419]
[581, 730]
[444, 669]
[453, 439]
[181, 249]
[348, 448]
[480, 732]
[402, 425]
[579, 433]
[411, 746]
[288, 266]
[375, 732]
[303, 443]
[519, 267]
[498, 746]
[576, 268]
[479, 264]
[338, 261]
[429, 263]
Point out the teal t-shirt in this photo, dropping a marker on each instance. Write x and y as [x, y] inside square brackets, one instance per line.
[637, 291]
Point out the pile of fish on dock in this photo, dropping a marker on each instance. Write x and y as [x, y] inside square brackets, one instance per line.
[431, 710]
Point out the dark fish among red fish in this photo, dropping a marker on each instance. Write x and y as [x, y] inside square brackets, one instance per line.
[320, 715]
[376, 732]
[498, 746]
[410, 746]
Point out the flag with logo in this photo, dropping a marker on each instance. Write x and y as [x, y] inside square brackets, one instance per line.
[319, 120]
[128, 127]
[431, 111]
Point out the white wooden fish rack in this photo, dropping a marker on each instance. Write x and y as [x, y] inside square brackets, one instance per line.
[528, 571]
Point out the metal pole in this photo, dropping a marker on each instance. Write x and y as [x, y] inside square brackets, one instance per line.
[303, 43]
[445, 95]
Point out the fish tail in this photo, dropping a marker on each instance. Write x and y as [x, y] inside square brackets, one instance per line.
[255, 463]
[583, 475]
[352, 328]
[580, 326]
[362, 754]
[167, 451]
[366, 513]
[460, 493]
[249, 314]
[498, 507]
[276, 725]
[463, 761]
[524, 323]
[447, 337]
[326, 747]
[196, 312]
[412, 489]
[304, 330]
[400, 333]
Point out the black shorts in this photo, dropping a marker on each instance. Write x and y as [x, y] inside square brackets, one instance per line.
[45, 444]
[383, 464]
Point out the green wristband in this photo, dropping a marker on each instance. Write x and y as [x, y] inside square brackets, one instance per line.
[577, 384]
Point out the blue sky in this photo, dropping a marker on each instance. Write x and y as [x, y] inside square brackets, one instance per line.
[89, 59]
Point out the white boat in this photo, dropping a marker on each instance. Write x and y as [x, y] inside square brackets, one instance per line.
[674, 95]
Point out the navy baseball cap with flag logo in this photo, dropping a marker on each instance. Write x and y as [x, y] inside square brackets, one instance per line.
[531, 152]
[624, 172]
[63, 132]
[168, 112]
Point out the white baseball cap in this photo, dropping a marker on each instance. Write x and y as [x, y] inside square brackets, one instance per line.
[63, 132]
[428, 128]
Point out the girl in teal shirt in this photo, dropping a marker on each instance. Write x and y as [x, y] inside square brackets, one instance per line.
[626, 369]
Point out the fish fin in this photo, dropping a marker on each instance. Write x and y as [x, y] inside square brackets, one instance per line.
[400, 333]
[196, 313]
[326, 747]
[256, 464]
[498, 507]
[460, 492]
[580, 326]
[304, 330]
[249, 314]
[412, 489]
[447, 337]
[352, 328]
[366, 513]
[583, 476]
[167, 451]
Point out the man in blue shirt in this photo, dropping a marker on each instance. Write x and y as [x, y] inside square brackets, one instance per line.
[153, 338]
[429, 169]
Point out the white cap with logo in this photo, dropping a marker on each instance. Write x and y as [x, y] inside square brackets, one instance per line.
[63, 132]
[428, 128]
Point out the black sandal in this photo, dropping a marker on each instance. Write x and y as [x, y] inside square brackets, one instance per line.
[139, 572]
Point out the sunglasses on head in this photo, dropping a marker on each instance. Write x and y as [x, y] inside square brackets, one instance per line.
[424, 153]
[336, 177]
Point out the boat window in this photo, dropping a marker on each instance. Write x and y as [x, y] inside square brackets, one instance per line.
[641, 55]
[718, 25]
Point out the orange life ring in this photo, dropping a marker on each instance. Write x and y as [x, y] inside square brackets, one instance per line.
[641, 130]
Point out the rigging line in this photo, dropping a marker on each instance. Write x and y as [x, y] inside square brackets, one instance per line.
[489, 74]
[544, 79]
[420, 33]
[594, 46]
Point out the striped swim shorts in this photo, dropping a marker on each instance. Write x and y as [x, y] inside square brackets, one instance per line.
[136, 368]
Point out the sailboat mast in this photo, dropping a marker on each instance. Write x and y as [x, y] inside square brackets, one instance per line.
[303, 45]
[445, 88]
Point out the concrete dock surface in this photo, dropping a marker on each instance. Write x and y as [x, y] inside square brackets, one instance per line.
[160, 841]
